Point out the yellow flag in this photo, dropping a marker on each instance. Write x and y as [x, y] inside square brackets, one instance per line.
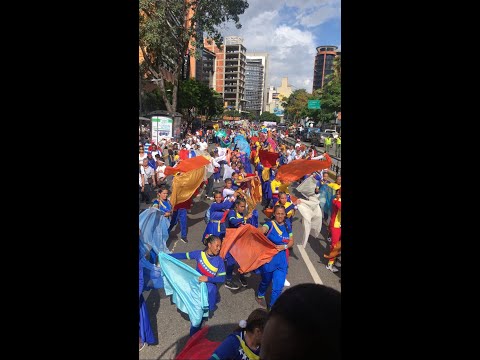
[185, 184]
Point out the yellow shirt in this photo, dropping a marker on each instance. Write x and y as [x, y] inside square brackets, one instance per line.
[335, 186]
[278, 186]
[338, 218]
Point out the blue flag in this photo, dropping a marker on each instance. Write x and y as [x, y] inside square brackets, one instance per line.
[154, 229]
[181, 281]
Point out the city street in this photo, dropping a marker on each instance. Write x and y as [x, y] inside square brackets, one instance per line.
[171, 327]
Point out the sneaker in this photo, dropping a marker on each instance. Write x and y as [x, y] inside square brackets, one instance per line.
[332, 268]
[184, 240]
[229, 284]
[141, 347]
[286, 283]
[243, 281]
[338, 264]
[261, 301]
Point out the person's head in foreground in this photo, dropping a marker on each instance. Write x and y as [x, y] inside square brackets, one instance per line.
[304, 323]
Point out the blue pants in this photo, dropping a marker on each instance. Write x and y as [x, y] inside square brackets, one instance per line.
[279, 276]
[194, 329]
[231, 262]
[182, 215]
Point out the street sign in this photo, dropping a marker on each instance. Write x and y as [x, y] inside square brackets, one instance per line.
[313, 104]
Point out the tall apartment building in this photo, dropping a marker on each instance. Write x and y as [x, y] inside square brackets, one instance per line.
[230, 63]
[205, 68]
[254, 72]
[256, 83]
[323, 65]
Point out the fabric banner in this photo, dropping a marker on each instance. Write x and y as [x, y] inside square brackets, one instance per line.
[187, 165]
[310, 210]
[249, 247]
[154, 229]
[198, 347]
[298, 168]
[185, 184]
[181, 281]
[267, 158]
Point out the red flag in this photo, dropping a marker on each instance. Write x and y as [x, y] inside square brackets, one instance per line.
[298, 168]
[268, 159]
[198, 347]
[249, 246]
[187, 165]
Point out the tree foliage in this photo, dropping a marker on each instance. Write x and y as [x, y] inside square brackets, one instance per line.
[268, 116]
[165, 40]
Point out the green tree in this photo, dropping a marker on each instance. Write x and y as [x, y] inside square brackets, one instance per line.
[296, 104]
[164, 39]
[268, 116]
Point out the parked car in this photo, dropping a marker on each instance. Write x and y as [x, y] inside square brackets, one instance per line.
[333, 132]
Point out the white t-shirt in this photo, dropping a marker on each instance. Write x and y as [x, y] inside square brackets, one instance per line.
[160, 171]
[147, 173]
[141, 157]
[297, 145]
[188, 146]
[228, 192]
[156, 152]
[221, 151]
[203, 146]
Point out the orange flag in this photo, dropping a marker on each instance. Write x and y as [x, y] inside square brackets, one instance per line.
[185, 184]
[298, 168]
[187, 165]
[249, 246]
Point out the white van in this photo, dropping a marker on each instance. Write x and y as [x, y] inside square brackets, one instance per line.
[333, 132]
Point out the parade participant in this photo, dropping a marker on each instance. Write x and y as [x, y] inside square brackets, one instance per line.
[145, 329]
[323, 181]
[217, 215]
[228, 189]
[278, 233]
[210, 264]
[244, 343]
[180, 214]
[304, 323]
[335, 229]
[235, 220]
[277, 187]
[289, 208]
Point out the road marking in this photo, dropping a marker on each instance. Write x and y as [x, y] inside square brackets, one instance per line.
[310, 267]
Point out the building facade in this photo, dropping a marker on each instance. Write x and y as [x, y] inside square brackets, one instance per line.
[324, 65]
[229, 74]
[253, 58]
[254, 73]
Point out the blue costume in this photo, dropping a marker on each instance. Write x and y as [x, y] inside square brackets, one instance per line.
[145, 329]
[214, 226]
[163, 206]
[213, 268]
[277, 268]
[234, 347]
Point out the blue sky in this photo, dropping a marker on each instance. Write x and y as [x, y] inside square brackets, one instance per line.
[289, 30]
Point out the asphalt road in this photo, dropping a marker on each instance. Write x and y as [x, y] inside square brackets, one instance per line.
[171, 327]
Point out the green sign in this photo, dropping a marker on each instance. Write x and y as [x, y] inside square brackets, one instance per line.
[313, 104]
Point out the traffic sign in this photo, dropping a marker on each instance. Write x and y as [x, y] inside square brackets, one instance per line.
[313, 104]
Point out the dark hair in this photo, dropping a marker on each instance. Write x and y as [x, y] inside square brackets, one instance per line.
[281, 193]
[238, 201]
[215, 192]
[228, 179]
[313, 314]
[210, 239]
[162, 188]
[278, 206]
[257, 319]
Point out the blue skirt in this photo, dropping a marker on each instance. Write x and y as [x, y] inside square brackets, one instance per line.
[145, 331]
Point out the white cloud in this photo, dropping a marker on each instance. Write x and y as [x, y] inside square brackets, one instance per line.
[266, 27]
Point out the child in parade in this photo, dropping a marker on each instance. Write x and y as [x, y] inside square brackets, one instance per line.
[216, 225]
[165, 206]
[279, 233]
[210, 264]
[244, 343]
[235, 220]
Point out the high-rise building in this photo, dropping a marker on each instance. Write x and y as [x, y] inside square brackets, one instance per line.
[253, 86]
[205, 68]
[230, 65]
[255, 60]
[323, 65]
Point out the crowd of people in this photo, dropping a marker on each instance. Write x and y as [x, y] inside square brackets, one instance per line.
[249, 161]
